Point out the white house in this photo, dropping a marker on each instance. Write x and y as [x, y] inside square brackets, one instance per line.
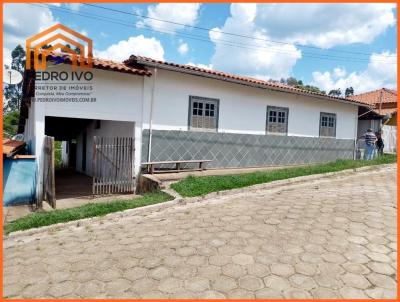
[175, 111]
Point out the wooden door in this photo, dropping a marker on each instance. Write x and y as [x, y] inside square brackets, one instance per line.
[112, 165]
[49, 191]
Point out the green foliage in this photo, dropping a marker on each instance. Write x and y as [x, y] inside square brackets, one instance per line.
[13, 93]
[88, 210]
[349, 92]
[10, 123]
[291, 81]
[57, 154]
[335, 92]
[198, 186]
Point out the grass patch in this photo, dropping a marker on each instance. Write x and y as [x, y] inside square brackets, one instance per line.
[36, 220]
[196, 186]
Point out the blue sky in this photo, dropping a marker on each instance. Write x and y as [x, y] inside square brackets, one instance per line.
[355, 43]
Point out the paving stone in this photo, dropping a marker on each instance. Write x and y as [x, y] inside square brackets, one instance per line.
[379, 257]
[91, 289]
[211, 294]
[144, 285]
[381, 281]
[63, 289]
[380, 293]
[135, 273]
[171, 285]
[302, 281]
[224, 284]
[284, 270]
[356, 268]
[296, 293]
[258, 270]
[324, 293]
[251, 283]
[276, 282]
[305, 268]
[381, 268]
[337, 241]
[197, 284]
[233, 270]
[268, 293]
[352, 293]
[159, 273]
[356, 281]
[242, 259]
[241, 294]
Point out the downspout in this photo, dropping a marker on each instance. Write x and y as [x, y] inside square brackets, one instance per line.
[151, 114]
[355, 136]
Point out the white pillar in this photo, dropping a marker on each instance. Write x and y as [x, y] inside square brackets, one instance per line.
[39, 134]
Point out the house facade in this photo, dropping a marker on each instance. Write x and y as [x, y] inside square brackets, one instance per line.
[177, 112]
[380, 117]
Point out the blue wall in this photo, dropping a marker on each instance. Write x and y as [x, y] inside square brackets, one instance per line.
[19, 181]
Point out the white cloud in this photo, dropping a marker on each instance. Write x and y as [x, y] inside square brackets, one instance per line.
[254, 57]
[183, 48]
[325, 25]
[74, 6]
[209, 66]
[380, 72]
[182, 13]
[22, 21]
[138, 45]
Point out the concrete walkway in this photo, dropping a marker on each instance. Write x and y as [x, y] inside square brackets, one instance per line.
[335, 238]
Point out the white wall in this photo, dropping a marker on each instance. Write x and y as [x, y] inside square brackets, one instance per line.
[107, 129]
[118, 98]
[127, 98]
[242, 109]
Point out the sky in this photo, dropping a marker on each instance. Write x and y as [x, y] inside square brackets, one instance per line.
[327, 45]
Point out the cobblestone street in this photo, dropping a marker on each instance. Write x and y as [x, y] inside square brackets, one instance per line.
[335, 238]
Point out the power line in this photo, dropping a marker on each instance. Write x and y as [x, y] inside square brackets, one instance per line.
[203, 39]
[229, 33]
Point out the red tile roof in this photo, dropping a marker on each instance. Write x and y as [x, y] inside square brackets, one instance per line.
[10, 147]
[375, 97]
[105, 64]
[140, 61]
[384, 101]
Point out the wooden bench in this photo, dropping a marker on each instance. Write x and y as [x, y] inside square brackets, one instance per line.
[151, 165]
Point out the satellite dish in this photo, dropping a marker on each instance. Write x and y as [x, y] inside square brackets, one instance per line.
[18, 137]
[11, 76]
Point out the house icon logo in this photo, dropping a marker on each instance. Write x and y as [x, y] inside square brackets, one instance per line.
[59, 37]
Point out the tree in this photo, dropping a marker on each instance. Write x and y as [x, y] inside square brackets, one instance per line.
[13, 93]
[291, 81]
[349, 92]
[10, 123]
[335, 92]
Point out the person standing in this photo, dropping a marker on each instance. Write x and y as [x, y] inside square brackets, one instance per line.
[370, 140]
[379, 143]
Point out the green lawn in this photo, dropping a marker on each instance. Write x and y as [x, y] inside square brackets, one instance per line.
[197, 186]
[36, 220]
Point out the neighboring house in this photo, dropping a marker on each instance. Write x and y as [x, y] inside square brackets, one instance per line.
[175, 112]
[382, 116]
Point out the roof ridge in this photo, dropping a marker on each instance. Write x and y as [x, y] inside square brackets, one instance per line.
[271, 84]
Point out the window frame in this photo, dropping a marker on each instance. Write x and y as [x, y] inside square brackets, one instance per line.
[203, 100]
[277, 109]
[328, 115]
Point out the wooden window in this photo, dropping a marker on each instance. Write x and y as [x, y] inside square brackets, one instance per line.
[327, 124]
[277, 120]
[203, 113]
